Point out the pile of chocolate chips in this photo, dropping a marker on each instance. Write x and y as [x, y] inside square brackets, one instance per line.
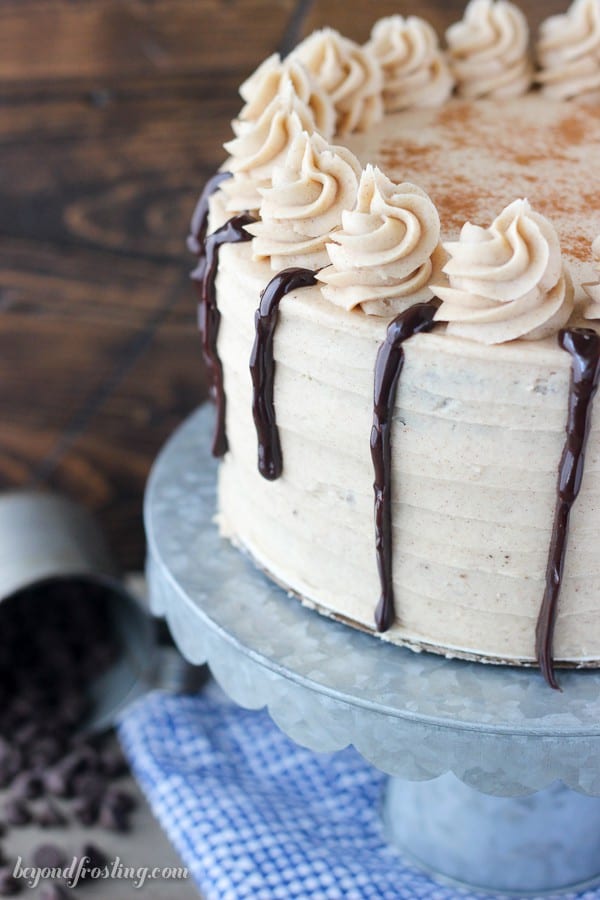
[54, 642]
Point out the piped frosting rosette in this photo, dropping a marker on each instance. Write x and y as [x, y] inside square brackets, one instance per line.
[488, 50]
[265, 84]
[415, 71]
[348, 73]
[256, 150]
[568, 51]
[507, 281]
[305, 203]
[387, 251]
[592, 309]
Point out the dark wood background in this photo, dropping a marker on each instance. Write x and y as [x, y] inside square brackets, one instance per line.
[112, 113]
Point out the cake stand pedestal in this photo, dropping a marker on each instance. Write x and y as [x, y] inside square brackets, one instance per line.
[495, 777]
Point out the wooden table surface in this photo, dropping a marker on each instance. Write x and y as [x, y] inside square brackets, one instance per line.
[112, 114]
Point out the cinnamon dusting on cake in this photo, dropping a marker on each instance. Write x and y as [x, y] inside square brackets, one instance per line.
[457, 115]
[571, 131]
[576, 246]
[410, 149]
[472, 157]
[460, 203]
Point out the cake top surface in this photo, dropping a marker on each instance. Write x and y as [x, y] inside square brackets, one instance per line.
[475, 125]
[475, 157]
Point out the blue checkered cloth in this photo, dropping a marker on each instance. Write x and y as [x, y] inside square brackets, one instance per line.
[253, 815]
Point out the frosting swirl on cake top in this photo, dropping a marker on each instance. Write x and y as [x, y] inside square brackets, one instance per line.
[264, 85]
[507, 281]
[569, 51]
[415, 72]
[387, 251]
[257, 149]
[592, 309]
[488, 50]
[305, 203]
[263, 145]
[348, 73]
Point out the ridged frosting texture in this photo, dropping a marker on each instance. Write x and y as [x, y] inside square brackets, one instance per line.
[386, 253]
[415, 71]
[305, 203]
[489, 50]
[507, 281]
[265, 84]
[348, 73]
[592, 309]
[568, 51]
[256, 150]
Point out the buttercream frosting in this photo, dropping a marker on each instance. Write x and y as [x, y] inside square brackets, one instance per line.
[488, 50]
[465, 415]
[259, 148]
[264, 85]
[387, 251]
[415, 71]
[507, 281]
[305, 203]
[348, 73]
[592, 308]
[568, 50]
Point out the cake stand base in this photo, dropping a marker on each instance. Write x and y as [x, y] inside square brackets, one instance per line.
[544, 842]
[495, 777]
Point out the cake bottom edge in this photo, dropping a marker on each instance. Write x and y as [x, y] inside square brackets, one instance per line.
[416, 645]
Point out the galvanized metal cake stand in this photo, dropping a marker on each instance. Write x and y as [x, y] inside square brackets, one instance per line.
[495, 777]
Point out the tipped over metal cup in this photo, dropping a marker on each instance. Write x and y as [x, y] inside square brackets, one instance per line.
[47, 541]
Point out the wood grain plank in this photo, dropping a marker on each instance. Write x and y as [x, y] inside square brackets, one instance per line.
[22, 448]
[69, 284]
[355, 20]
[107, 465]
[49, 368]
[123, 176]
[107, 37]
[68, 323]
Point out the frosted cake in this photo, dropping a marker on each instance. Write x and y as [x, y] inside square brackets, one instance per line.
[398, 270]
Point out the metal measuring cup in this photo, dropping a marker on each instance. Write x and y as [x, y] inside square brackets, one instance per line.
[46, 539]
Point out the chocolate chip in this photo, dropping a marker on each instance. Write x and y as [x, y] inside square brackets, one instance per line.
[27, 786]
[120, 799]
[48, 815]
[16, 812]
[89, 785]
[49, 856]
[114, 763]
[45, 752]
[83, 759]
[86, 811]
[58, 782]
[95, 857]
[113, 819]
[10, 766]
[9, 886]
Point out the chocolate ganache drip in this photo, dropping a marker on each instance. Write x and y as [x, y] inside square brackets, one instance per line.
[390, 360]
[583, 345]
[199, 223]
[209, 317]
[262, 367]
